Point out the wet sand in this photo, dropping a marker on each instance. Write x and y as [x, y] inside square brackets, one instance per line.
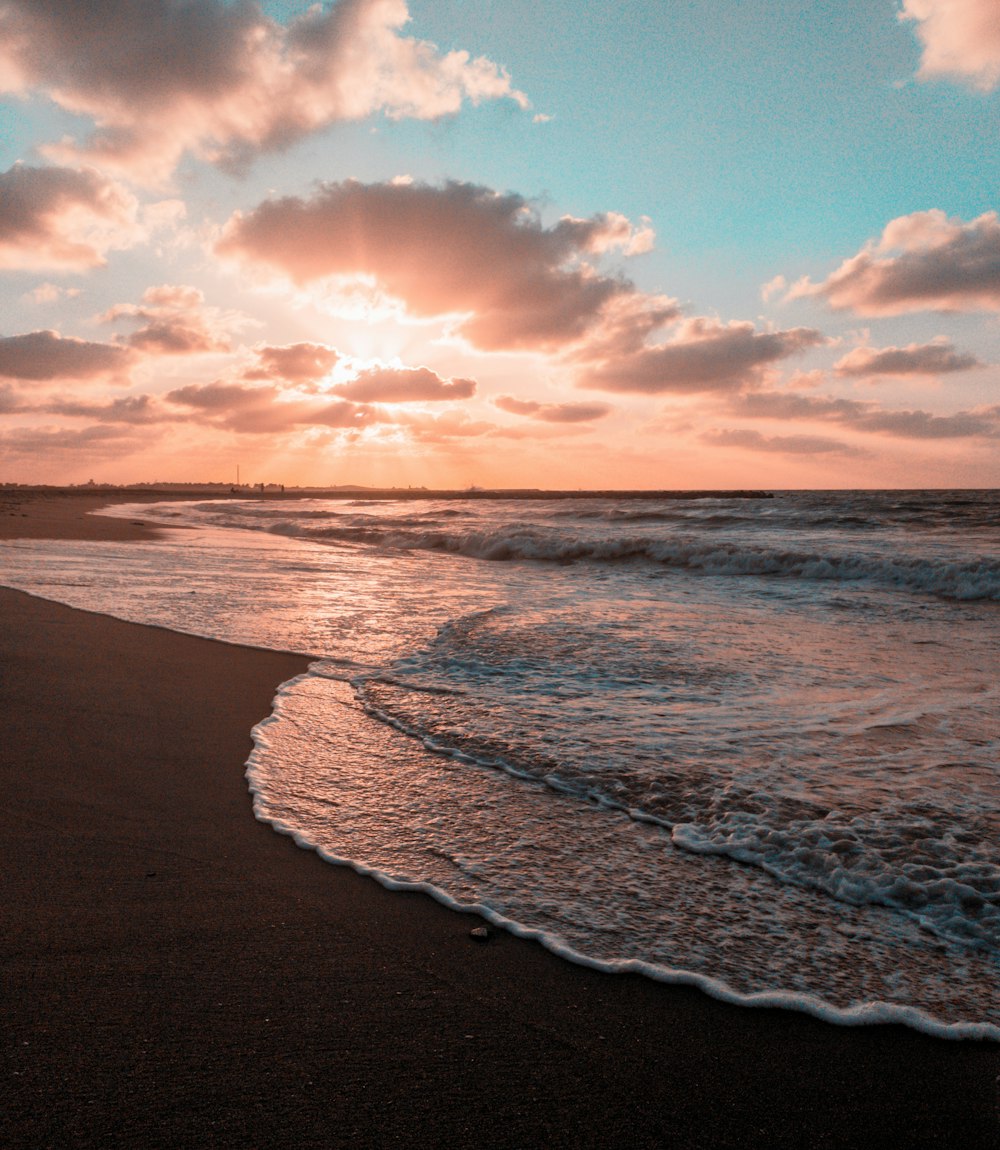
[177, 974]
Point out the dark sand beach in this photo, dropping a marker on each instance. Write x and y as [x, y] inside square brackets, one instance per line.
[177, 974]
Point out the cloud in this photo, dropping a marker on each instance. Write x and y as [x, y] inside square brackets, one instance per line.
[485, 263]
[264, 410]
[702, 355]
[446, 427]
[785, 444]
[10, 399]
[294, 362]
[46, 355]
[937, 358]
[404, 385]
[924, 261]
[778, 286]
[616, 232]
[49, 293]
[175, 321]
[224, 81]
[287, 404]
[101, 441]
[62, 219]
[553, 412]
[460, 250]
[130, 409]
[961, 40]
[869, 417]
[924, 425]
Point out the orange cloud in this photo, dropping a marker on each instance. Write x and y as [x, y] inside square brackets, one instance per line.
[924, 261]
[937, 358]
[961, 40]
[62, 219]
[224, 81]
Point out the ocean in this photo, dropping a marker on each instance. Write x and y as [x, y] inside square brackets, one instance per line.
[747, 744]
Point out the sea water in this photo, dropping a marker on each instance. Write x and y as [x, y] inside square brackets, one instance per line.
[752, 745]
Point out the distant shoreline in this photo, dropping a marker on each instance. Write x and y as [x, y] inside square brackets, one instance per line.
[275, 491]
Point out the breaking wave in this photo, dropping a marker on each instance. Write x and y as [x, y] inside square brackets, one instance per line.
[959, 580]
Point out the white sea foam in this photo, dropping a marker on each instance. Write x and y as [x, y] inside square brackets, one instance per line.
[604, 911]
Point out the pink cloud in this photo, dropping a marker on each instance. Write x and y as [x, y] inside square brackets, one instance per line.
[295, 362]
[48, 293]
[460, 250]
[937, 358]
[175, 321]
[487, 264]
[61, 219]
[924, 261]
[99, 442]
[961, 40]
[46, 356]
[224, 81]
[869, 417]
[751, 440]
[446, 427]
[553, 412]
[10, 399]
[404, 385]
[263, 410]
[135, 409]
[290, 401]
[304, 364]
[702, 355]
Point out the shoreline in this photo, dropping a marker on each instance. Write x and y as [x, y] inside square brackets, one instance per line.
[177, 973]
[166, 492]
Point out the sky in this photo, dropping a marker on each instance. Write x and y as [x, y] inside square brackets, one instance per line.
[452, 243]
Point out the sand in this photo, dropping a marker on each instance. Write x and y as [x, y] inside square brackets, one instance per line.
[177, 974]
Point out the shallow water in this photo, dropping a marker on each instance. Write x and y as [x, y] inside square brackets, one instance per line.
[748, 744]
